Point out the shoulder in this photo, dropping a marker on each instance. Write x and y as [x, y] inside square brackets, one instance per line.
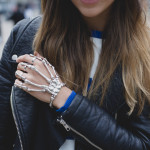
[27, 25]
[26, 22]
[21, 38]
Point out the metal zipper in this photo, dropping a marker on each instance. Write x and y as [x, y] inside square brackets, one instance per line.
[15, 120]
[68, 128]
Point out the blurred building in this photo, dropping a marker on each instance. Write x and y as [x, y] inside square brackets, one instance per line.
[31, 9]
[8, 5]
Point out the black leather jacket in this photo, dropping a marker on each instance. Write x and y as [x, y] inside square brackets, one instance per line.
[34, 126]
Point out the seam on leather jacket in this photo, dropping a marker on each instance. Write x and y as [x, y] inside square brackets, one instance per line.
[81, 101]
[68, 110]
[19, 36]
[17, 120]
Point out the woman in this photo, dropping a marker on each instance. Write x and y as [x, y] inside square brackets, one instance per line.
[98, 92]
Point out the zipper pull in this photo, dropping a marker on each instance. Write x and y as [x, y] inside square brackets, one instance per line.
[61, 121]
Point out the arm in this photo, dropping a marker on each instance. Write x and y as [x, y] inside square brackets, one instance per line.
[85, 118]
[103, 130]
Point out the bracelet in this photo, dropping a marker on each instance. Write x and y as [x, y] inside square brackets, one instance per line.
[55, 87]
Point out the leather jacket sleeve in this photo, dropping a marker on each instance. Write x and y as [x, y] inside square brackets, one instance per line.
[94, 124]
[7, 125]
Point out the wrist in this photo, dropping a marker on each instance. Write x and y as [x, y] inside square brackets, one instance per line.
[62, 97]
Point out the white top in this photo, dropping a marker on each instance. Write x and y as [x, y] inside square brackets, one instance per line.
[70, 144]
[97, 50]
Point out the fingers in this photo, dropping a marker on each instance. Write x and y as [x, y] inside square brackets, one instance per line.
[20, 85]
[25, 84]
[23, 67]
[38, 62]
[27, 58]
[35, 92]
[38, 77]
[21, 75]
[24, 58]
[35, 66]
[31, 60]
[29, 86]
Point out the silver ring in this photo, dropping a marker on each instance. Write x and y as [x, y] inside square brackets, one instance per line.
[31, 55]
[21, 76]
[25, 67]
[33, 59]
[21, 85]
[16, 85]
[16, 74]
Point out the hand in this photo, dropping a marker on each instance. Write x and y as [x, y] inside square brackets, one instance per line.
[25, 73]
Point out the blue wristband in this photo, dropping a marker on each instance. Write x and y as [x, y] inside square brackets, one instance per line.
[68, 102]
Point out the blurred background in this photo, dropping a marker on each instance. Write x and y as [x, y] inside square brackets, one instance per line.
[12, 11]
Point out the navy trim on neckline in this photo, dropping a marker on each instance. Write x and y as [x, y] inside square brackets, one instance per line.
[89, 84]
[97, 34]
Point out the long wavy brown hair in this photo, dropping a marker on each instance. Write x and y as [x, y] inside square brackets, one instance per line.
[64, 39]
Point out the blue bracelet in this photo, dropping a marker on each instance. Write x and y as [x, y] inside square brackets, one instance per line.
[68, 102]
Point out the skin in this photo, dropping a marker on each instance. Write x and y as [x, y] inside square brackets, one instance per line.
[96, 16]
